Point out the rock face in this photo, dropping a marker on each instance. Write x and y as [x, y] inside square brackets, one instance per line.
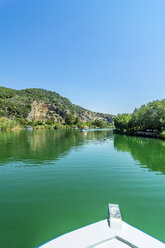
[42, 112]
[92, 116]
[38, 111]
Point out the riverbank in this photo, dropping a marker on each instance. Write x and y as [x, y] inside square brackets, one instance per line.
[13, 125]
[148, 134]
[20, 124]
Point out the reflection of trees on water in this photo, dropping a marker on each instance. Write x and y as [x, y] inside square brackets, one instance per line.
[149, 152]
[36, 147]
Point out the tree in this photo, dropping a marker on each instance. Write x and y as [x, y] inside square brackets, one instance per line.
[76, 120]
[48, 122]
[99, 123]
[38, 123]
[122, 121]
[70, 119]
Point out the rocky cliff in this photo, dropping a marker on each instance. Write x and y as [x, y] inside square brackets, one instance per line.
[39, 104]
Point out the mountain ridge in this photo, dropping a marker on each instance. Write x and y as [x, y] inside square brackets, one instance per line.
[36, 104]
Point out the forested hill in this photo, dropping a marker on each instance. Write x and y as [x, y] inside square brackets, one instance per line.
[39, 104]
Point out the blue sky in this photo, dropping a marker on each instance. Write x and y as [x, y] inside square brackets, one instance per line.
[104, 55]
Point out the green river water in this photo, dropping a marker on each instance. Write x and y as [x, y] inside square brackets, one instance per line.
[54, 181]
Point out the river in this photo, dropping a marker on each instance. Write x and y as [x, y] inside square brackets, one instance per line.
[54, 181]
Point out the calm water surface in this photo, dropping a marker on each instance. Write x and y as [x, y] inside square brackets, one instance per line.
[52, 182]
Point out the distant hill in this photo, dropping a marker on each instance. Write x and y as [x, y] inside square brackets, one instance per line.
[39, 104]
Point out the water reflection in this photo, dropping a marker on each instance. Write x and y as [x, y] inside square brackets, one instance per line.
[149, 152]
[40, 146]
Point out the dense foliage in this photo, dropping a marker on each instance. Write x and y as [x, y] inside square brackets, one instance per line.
[150, 116]
[122, 121]
[71, 119]
[100, 123]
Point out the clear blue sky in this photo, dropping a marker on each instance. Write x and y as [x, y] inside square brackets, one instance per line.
[105, 55]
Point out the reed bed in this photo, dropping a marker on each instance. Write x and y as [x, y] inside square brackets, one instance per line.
[7, 124]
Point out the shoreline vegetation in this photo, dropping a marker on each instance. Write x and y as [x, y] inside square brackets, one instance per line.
[71, 122]
[147, 121]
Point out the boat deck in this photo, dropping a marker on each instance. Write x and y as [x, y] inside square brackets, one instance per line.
[110, 233]
[101, 235]
[112, 243]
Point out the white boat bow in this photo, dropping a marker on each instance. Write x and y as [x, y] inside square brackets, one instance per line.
[109, 233]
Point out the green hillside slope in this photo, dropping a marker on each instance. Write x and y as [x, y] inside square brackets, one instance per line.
[40, 104]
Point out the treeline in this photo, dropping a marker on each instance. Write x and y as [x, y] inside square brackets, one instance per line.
[148, 117]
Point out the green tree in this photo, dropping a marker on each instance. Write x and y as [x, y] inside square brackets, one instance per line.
[70, 119]
[122, 121]
[38, 123]
[48, 122]
[99, 123]
[76, 120]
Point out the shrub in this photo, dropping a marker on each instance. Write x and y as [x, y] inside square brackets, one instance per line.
[49, 122]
